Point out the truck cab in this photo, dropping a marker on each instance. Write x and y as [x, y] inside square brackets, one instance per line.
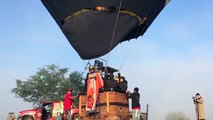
[47, 111]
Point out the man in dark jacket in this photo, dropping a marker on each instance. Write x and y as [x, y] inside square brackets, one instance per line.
[135, 96]
[123, 84]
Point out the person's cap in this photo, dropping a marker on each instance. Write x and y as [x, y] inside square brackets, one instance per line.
[91, 67]
[197, 94]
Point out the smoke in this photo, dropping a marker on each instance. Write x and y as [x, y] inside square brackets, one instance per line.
[176, 116]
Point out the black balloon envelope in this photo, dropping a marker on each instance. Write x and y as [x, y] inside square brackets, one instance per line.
[95, 27]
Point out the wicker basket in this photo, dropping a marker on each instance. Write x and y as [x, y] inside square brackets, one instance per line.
[111, 106]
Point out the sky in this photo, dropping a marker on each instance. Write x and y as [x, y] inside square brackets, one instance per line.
[170, 63]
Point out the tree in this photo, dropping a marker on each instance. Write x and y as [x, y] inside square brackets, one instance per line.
[176, 116]
[49, 83]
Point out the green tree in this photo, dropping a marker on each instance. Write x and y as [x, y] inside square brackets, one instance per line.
[49, 83]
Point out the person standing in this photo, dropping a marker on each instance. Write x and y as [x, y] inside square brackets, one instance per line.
[94, 83]
[199, 106]
[135, 96]
[68, 102]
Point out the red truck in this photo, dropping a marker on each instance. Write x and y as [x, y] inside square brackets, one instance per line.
[47, 111]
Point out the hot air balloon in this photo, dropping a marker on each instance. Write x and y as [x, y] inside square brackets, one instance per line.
[95, 27]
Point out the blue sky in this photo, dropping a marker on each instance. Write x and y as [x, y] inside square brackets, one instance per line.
[170, 63]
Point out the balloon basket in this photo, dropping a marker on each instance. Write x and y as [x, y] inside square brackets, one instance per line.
[111, 106]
